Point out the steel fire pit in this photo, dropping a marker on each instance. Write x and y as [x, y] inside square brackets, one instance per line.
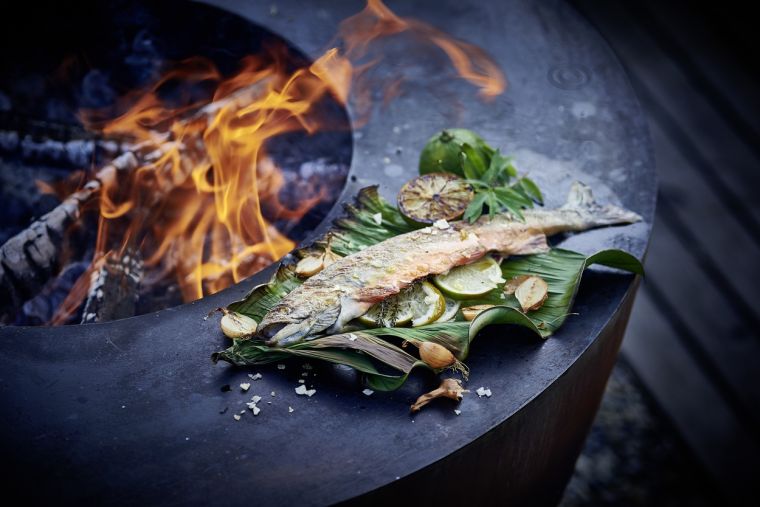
[133, 411]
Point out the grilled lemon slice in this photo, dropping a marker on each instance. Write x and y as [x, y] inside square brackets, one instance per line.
[435, 196]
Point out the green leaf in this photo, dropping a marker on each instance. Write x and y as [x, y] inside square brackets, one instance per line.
[531, 189]
[473, 162]
[562, 271]
[475, 208]
[499, 169]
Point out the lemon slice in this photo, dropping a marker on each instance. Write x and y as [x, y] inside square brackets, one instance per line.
[421, 304]
[427, 302]
[470, 280]
[452, 307]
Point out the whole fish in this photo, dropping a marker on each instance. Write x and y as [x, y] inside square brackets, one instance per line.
[346, 289]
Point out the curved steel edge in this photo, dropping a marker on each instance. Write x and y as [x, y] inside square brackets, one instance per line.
[529, 458]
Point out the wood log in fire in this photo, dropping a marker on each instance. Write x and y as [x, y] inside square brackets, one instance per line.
[28, 259]
[114, 288]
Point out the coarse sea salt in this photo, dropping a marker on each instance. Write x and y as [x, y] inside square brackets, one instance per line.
[303, 391]
[280, 366]
[290, 410]
[245, 386]
[378, 218]
[483, 391]
[257, 376]
[236, 417]
[441, 224]
[368, 392]
[457, 412]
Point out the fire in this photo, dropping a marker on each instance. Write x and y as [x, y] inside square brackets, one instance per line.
[196, 206]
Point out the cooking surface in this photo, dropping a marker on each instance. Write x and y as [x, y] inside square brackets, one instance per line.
[134, 410]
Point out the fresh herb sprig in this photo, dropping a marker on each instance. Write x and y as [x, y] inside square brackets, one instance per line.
[497, 185]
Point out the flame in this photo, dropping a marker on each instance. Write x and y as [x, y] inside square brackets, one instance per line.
[196, 206]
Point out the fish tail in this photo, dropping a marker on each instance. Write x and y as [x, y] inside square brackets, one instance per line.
[581, 200]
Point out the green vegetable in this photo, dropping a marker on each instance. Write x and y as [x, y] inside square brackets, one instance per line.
[443, 152]
[494, 188]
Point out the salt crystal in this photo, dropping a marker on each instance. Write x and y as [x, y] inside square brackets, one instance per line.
[280, 366]
[378, 218]
[290, 410]
[303, 391]
[255, 377]
[305, 374]
[272, 393]
[306, 366]
[352, 337]
[482, 391]
[256, 399]
[236, 417]
[441, 224]
[457, 412]
[245, 386]
[368, 392]
[301, 381]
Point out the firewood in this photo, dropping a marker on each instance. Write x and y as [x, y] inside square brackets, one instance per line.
[114, 288]
[28, 259]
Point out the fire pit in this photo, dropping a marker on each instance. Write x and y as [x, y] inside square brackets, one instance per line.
[185, 196]
[132, 410]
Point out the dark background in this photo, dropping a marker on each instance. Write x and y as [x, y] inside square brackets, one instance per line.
[680, 421]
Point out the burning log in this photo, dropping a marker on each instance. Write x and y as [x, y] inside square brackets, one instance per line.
[114, 287]
[28, 259]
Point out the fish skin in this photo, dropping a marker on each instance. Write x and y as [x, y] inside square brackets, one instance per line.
[347, 288]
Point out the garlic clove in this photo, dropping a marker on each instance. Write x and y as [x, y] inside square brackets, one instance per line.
[532, 293]
[237, 326]
[470, 312]
[511, 286]
[310, 266]
[436, 356]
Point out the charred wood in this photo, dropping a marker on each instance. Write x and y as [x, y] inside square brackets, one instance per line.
[114, 288]
[30, 258]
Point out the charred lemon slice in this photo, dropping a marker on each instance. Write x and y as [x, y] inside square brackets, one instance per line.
[434, 196]
[420, 304]
[470, 280]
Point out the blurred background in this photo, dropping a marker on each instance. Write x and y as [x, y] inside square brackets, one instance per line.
[680, 421]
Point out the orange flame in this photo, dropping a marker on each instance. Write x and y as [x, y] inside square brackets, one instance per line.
[195, 206]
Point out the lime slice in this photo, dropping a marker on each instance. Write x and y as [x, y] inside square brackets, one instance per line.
[452, 307]
[420, 304]
[436, 196]
[470, 280]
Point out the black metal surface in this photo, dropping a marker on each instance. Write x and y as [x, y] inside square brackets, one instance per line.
[129, 411]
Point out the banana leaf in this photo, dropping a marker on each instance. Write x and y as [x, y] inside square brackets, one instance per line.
[562, 270]
[367, 350]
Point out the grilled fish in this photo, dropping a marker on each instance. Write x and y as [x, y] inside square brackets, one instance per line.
[346, 289]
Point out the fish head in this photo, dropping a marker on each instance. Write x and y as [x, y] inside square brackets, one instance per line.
[286, 324]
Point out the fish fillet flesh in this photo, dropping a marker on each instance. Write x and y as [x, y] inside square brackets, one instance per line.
[346, 289]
